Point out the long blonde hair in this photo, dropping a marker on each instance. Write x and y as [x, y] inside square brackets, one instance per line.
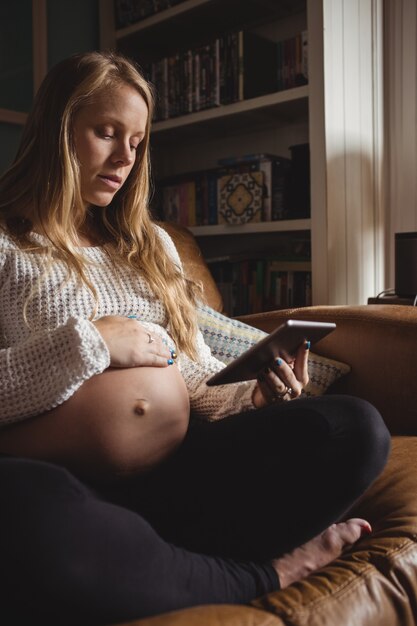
[43, 186]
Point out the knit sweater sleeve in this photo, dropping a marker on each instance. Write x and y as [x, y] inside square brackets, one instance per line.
[46, 369]
[211, 403]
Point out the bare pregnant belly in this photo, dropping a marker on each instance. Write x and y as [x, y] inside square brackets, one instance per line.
[118, 422]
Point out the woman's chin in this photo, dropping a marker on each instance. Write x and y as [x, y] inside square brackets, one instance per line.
[99, 200]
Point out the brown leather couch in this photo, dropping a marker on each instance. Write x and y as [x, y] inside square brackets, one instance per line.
[375, 583]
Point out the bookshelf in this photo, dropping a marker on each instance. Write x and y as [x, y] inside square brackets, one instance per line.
[272, 122]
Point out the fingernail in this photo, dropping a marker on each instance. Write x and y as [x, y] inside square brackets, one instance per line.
[132, 317]
[366, 529]
[278, 361]
[170, 362]
[308, 344]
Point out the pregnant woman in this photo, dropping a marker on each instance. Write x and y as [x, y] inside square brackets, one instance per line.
[129, 487]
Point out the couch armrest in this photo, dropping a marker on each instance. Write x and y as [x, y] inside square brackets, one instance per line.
[195, 267]
[379, 343]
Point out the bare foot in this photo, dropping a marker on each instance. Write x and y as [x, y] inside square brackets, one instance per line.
[319, 551]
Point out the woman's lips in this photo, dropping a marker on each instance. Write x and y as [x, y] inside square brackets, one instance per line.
[112, 181]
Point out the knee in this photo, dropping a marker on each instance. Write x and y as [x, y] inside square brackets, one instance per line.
[37, 498]
[25, 480]
[369, 436]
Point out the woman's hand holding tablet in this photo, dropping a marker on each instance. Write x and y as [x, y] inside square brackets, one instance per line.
[283, 343]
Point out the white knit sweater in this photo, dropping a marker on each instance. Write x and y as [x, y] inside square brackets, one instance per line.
[44, 364]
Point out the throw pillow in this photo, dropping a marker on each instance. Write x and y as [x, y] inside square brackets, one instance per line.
[228, 338]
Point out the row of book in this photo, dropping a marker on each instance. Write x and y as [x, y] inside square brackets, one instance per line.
[128, 12]
[234, 67]
[251, 188]
[292, 62]
[254, 286]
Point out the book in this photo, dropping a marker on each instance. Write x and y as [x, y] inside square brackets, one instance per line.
[189, 199]
[292, 61]
[257, 65]
[261, 284]
[240, 197]
[275, 173]
[298, 182]
[304, 55]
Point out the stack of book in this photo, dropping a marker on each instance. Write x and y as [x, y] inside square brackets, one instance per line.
[273, 174]
[234, 67]
[249, 188]
[262, 285]
[189, 199]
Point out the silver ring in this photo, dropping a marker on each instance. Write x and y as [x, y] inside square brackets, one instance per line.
[279, 396]
[150, 338]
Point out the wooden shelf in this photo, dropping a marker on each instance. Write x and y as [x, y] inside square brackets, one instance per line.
[279, 265]
[158, 18]
[13, 117]
[288, 104]
[257, 227]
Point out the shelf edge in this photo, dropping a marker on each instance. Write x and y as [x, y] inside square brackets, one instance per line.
[244, 106]
[258, 227]
[156, 18]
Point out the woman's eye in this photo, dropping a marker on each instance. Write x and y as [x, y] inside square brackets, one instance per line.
[103, 134]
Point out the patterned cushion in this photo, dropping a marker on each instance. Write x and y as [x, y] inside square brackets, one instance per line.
[228, 338]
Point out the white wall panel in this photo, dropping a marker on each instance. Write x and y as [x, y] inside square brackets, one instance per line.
[353, 135]
[400, 23]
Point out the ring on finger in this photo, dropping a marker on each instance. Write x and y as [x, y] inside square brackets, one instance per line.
[150, 338]
[280, 396]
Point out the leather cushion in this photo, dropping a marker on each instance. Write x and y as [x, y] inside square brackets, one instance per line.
[371, 583]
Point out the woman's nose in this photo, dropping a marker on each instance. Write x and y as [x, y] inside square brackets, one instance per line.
[123, 153]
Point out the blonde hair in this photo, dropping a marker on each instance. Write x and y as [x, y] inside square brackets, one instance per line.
[43, 186]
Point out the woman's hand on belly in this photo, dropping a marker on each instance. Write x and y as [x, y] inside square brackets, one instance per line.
[118, 422]
[130, 344]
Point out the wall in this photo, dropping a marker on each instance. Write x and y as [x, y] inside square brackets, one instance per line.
[400, 123]
[351, 134]
[16, 83]
[72, 26]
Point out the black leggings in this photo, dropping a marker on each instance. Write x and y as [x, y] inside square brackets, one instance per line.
[200, 529]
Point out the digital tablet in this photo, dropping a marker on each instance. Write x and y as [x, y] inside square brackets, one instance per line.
[282, 342]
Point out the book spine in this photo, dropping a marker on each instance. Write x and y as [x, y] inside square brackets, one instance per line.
[234, 65]
[304, 54]
[183, 204]
[222, 70]
[196, 80]
[240, 67]
[191, 202]
[216, 73]
[212, 197]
